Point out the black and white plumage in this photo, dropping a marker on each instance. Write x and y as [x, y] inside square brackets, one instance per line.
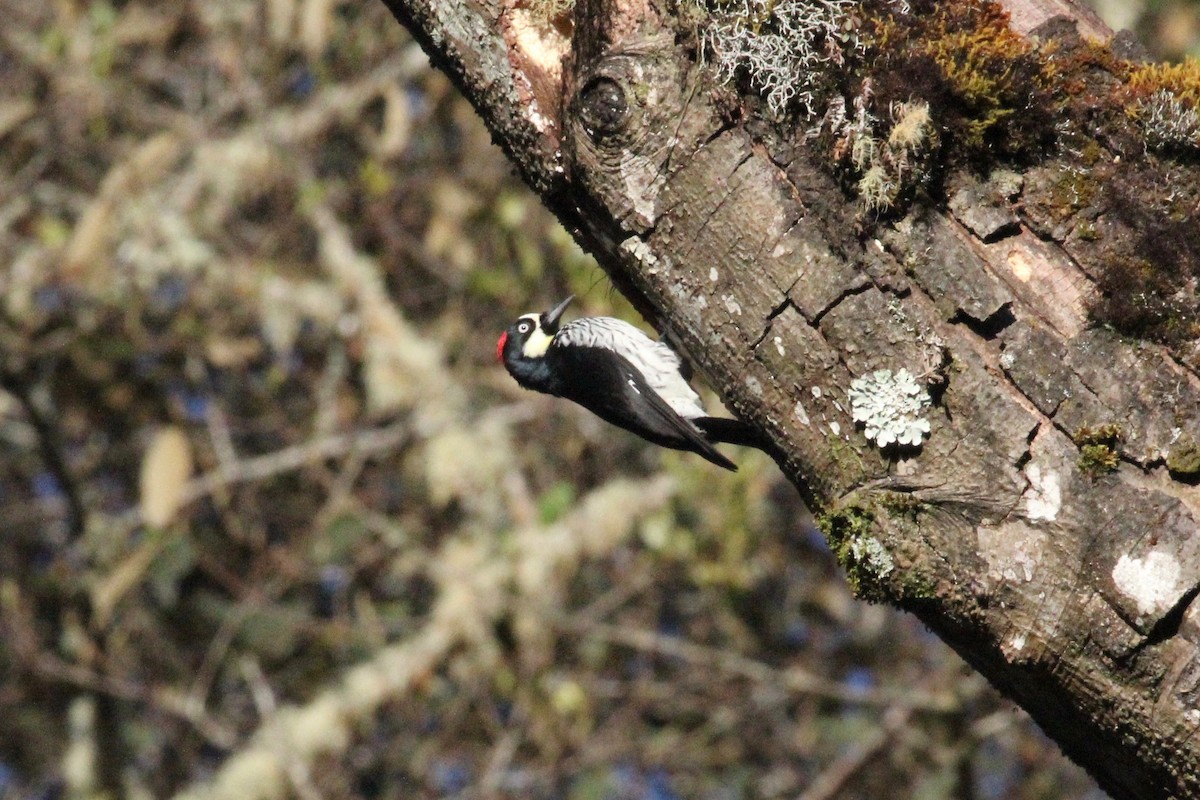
[620, 374]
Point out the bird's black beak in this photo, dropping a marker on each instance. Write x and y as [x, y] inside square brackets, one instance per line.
[551, 319]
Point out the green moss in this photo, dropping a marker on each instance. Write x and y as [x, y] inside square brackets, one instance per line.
[1091, 153]
[1072, 188]
[1183, 459]
[1107, 109]
[844, 524]
[1182, 80]
[867, 562]
[986, 86]
[1076, 190]
[1097, 459]
[876, 572]
[914, 586]
[1097, 449]
[910, 583]
[846, 458]
[1107, 433]
[900, 504]
[1123, 136]
[1164, 100]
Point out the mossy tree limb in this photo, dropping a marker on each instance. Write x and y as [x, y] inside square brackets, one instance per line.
[1071, 592]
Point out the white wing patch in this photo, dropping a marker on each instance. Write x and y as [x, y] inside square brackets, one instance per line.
[658, 363]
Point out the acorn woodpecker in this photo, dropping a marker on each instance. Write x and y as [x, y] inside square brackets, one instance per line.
[620, 374]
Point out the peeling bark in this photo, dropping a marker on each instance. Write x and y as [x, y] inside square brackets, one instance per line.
[1072, 592]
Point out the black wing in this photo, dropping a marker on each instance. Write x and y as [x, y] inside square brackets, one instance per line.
[609, 386]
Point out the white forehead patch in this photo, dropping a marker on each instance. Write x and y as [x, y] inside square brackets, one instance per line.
[538, 342]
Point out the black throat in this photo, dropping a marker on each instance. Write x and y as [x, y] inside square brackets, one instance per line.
[533, 373]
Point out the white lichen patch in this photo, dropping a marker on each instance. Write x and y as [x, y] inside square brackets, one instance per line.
[731, 304]
[1151, 582]
[1012, 551]
[1170, 123]
[891, 407]
[800, 413]
[637, 247]
[1014, 647]
[1043, 498]
[713, 275]
[755, 386]
[1021, 265]
[870, 551]
[779, 345]
[782, 47]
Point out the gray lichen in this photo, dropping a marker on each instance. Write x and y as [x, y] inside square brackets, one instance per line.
[1170, 123]
[782, 48]
[890, 406]
[870, 552]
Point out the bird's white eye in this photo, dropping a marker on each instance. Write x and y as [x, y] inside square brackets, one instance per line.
[524, 327]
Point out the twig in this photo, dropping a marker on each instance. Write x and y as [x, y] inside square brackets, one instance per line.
[613, 599]
[298, 771]
[221, 437]
[50, 667]
[501, 758]
[834, 778]
[793, 679]
[365, 443]
[218, 646]
[414, 248]
[337, 364]
[51, 449]
[289, 458]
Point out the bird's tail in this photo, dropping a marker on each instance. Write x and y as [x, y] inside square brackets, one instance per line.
[731, 431]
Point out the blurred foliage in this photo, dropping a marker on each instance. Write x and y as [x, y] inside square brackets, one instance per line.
[1170, 29]
[259, 470]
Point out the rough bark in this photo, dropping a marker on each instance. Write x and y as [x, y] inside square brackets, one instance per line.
[1072, 592]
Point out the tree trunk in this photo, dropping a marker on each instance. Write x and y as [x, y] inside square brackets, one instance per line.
[1069, 585]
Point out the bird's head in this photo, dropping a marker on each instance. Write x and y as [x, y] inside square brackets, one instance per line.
[531, 334]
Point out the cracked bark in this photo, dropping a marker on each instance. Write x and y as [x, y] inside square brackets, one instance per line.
[1071, 593]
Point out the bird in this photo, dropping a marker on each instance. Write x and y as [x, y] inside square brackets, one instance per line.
[620, 374]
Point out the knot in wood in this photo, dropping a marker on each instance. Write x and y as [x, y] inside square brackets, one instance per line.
[603, 107]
